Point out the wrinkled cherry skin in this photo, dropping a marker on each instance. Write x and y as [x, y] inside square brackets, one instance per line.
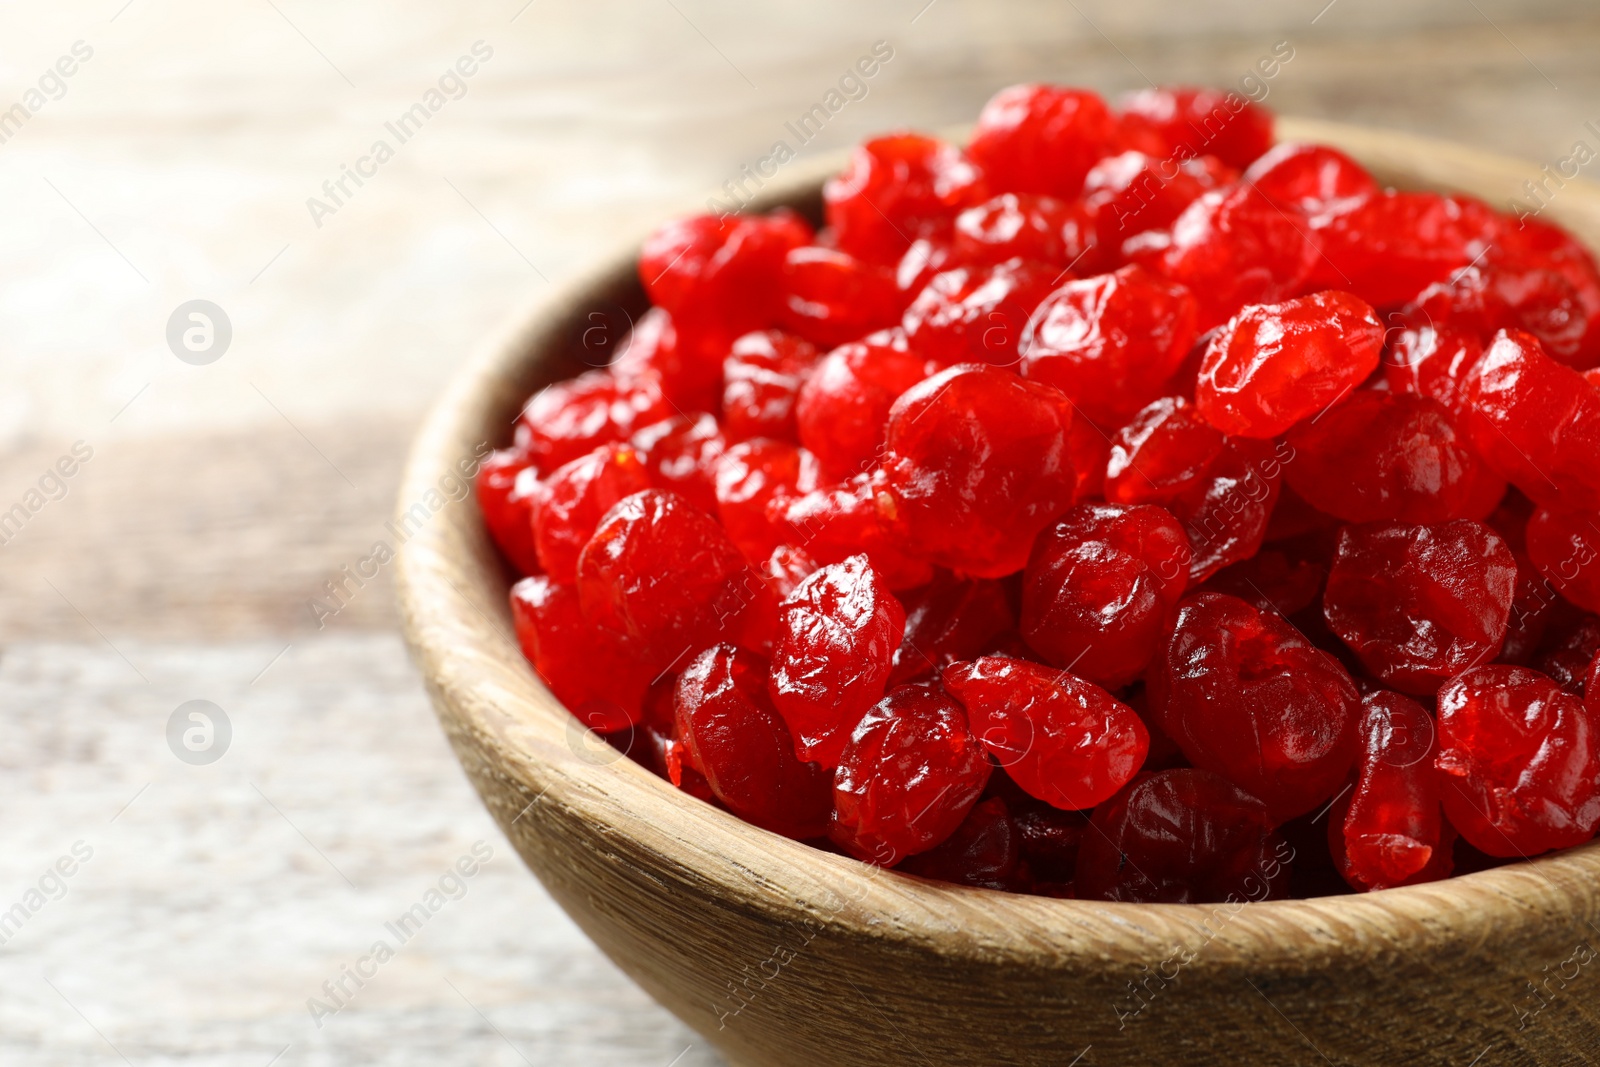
[1065, 741]
[1133, 192]
[897, 188]
[1110, 342]
[1245, 695]
[1380, 455]
[663, 573]
[1319, 182]
[572, 418]
[688, 376]
[1182, 836]
[1519, 760]
[837, 633]
[831, 297]
[976, 314]
[761, 378]
[1275, 364]
[1571, 644]
[977, 465]
[1542, 280]
[1395, 244]
[1041, 139]
[1101, 587]
[1393, 827]
[572, 500]
[949, 619]
[1421, 604]
[1023, 226]
[1196, 122]
[907, 777]
[1536, 422]
[596, 673]
[842, 521]
[750, 476]
[681, 454]
[1430, 353]
[843, 407]
[506, 485]
[984, 852]
[734, 737]
[1566, 549]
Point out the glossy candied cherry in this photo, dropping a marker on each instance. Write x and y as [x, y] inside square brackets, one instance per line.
[571, 502]
[786, 568]
[595, 672]
[949, 619]
[907, 777]
[844, 520]
[1133, 192]
[1430, 354]
[1520, 761]
[1233, 247]
[749, 476]
[1536, 422]
[1023, 226]
[1246, 695]
[1284, 578]
[688, 376]
[836, 639]
[1050, 838]
[843, 408]
[572, 418]
[1064, 740]
[1319, 182]
[1275, 364]
[1182, 836]
[1089, 447]
[1041, 138]
[1566, 549]
[1420, 604]
[506, 484]
[681, 454]
[1532, 607]
[662, 572]
[1380, 455]
[761, 378]
[984, 852]
[1110, 342]
[1393, 827]
[976, 314]
[830, 297]
[1101, 587]
[897, 188]
[1540, 279]
[977, 465]
[734, 737]
[1395, 244]
[1571, 643]
[718, 275]
[1203, 122]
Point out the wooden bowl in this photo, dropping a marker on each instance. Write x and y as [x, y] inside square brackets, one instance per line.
[783, 955]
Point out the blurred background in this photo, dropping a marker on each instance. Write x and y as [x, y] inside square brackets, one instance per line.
[213, 910]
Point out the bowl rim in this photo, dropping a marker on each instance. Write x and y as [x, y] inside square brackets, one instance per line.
[451, 590]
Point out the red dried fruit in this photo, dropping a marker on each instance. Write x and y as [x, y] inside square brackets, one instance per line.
[751, 475]
[1536, 422]
[1430, 355]
[907, 777]
[1041, 138]
[595, 673]
[1394, 245]
[837, 635]
[1542, 280]
[1065, 741]
[1572, 642]
[1101, 587]
[1519, 760]
[1244, 694]
[1133, 192]
[1110, 342]
[1379, 455]
[895, 189]
[1182, 836]
[1023, 226]
[977, 465]
[1275, 364]
[572, 418]
[949, 619]
[1566, 549]
[1393, 827]
[505, 485]
[1532, 605]
[687, 376]
[762, 376]
[1420, 604]
[977, 313]
[836, 523]
[984, 852]
[843, 408]
[1204, 122]
[682, 454]
[831, 297]
[1089, 446]
[734, 737]
[572, 500]
[662, 572]
[1319, 182]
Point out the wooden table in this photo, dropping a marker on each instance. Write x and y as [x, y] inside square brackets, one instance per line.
[180, 563]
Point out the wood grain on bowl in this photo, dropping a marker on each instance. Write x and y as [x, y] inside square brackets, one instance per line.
[783, 955]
